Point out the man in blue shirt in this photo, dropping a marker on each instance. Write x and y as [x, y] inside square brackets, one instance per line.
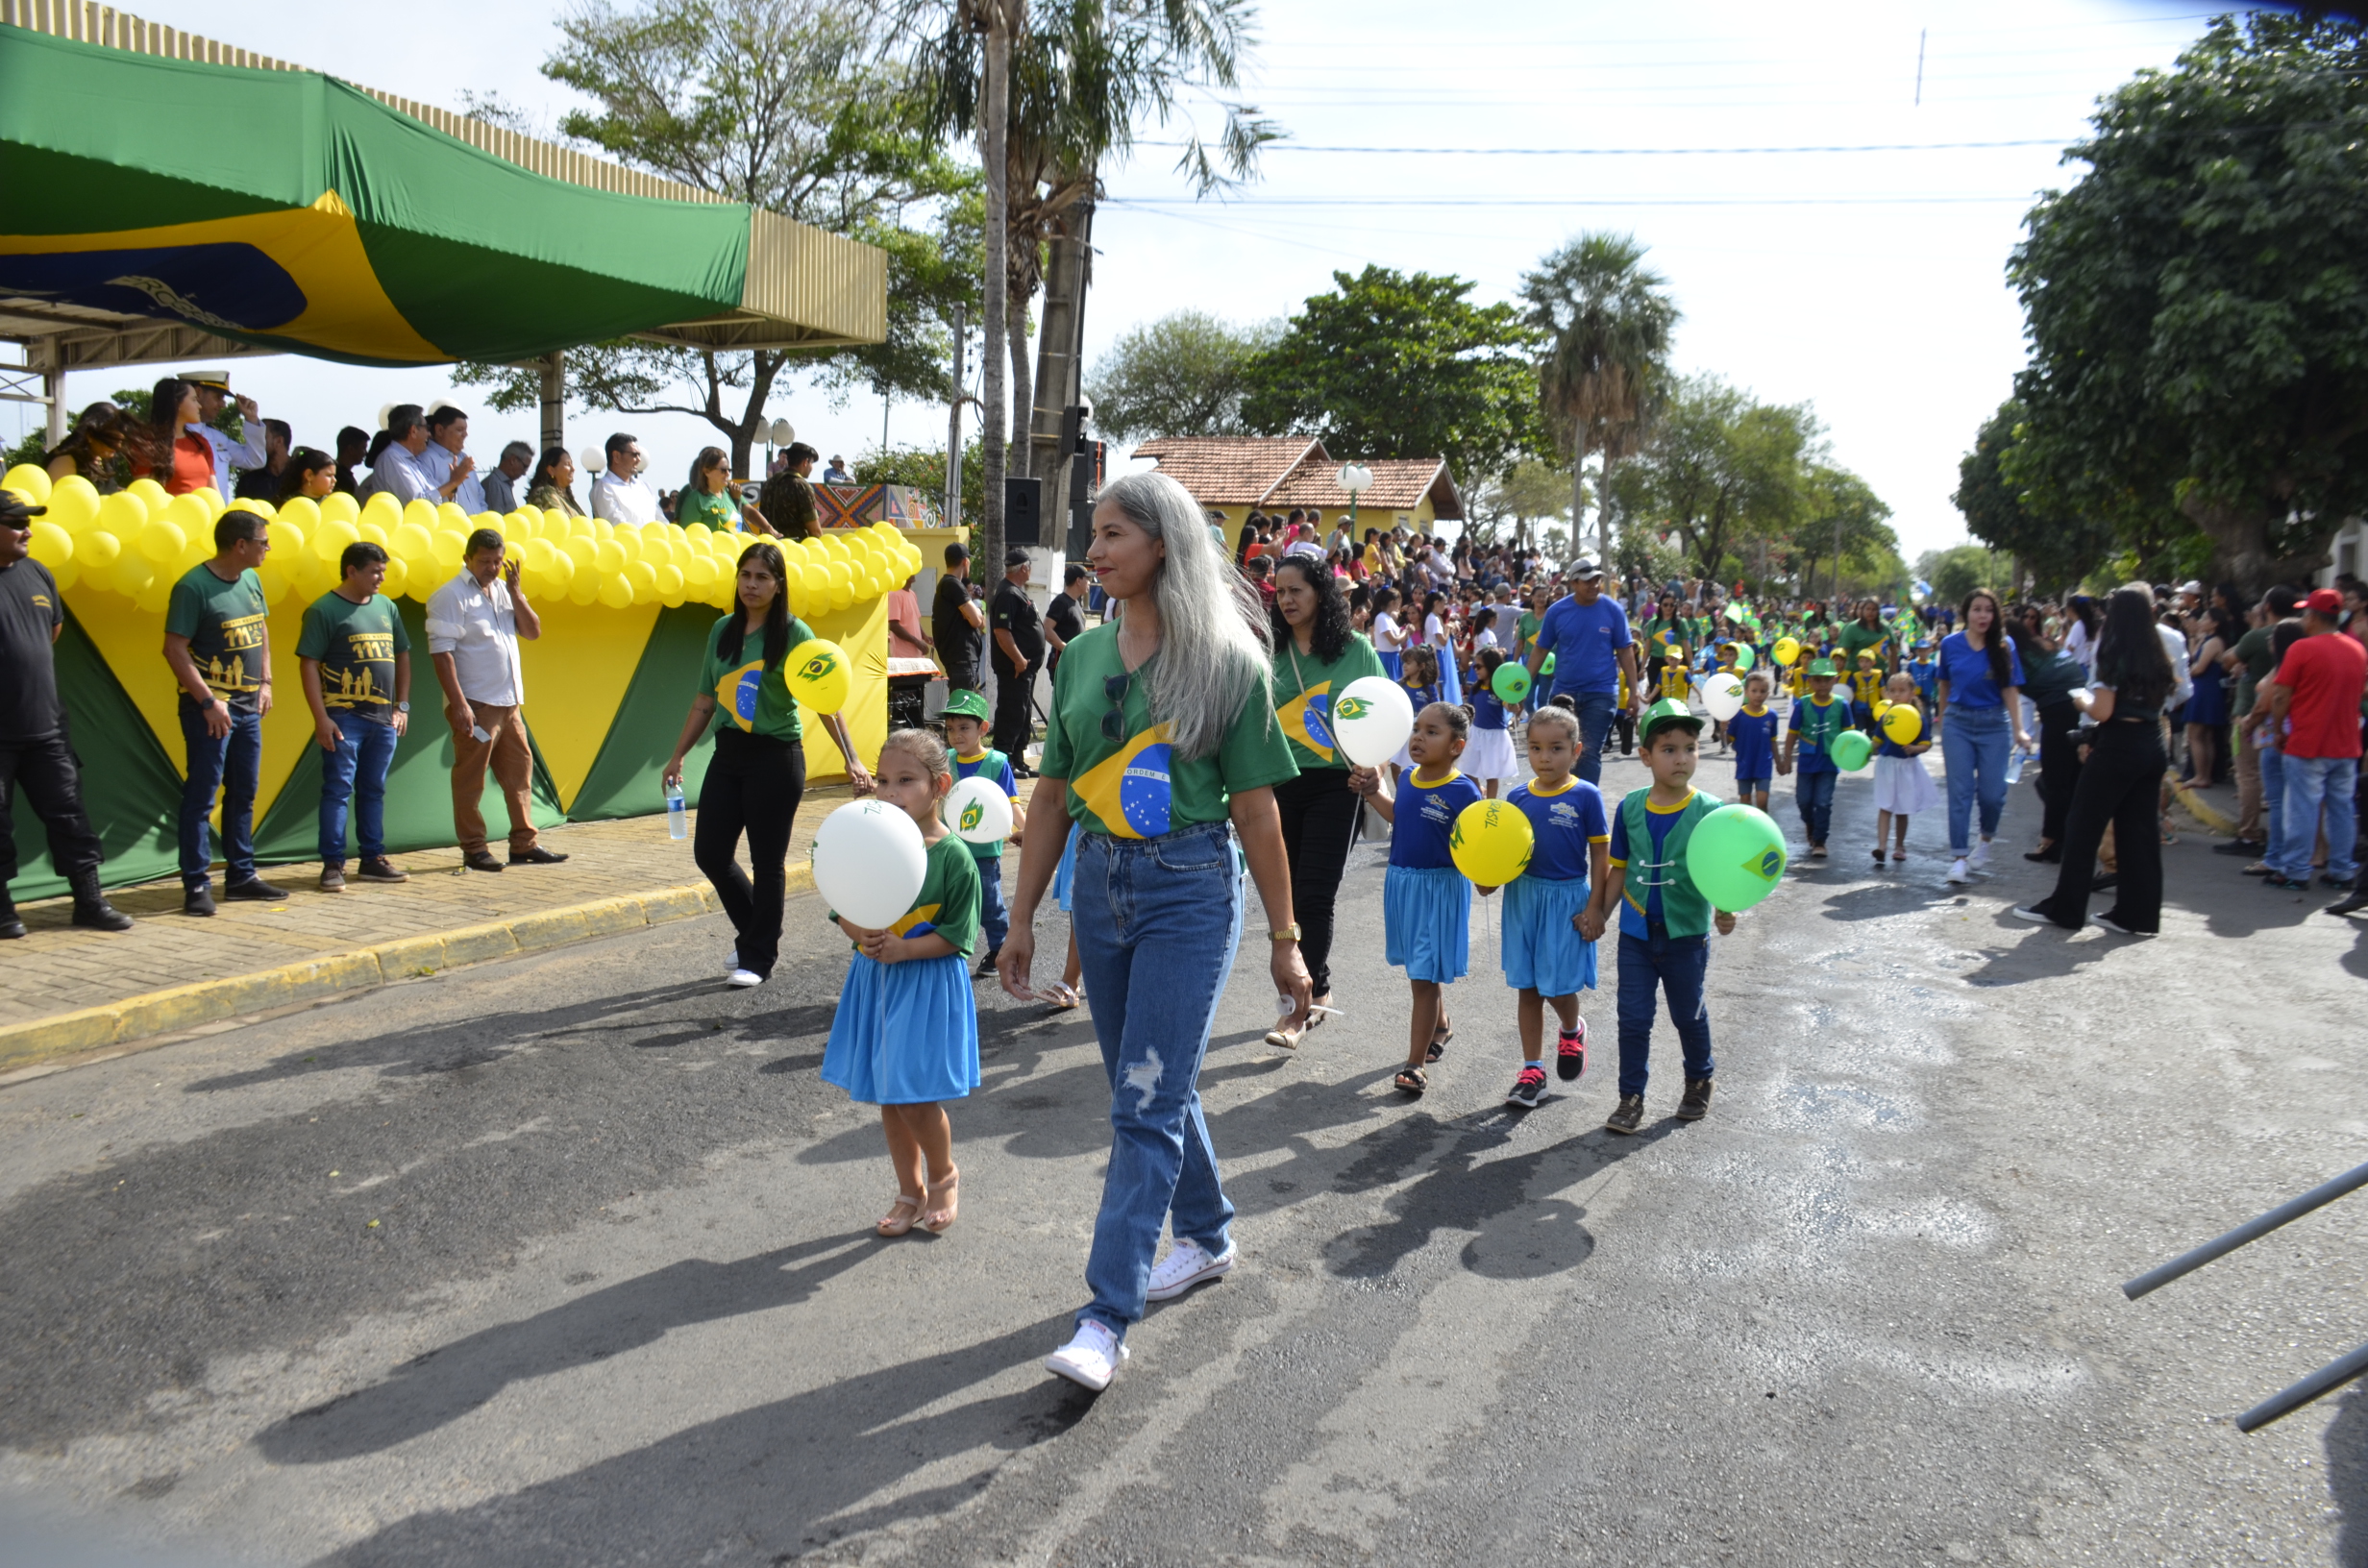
[1588, 635]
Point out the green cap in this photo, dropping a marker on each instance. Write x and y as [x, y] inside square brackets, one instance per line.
[1666, 712]
[967, 704]
[1821, 667]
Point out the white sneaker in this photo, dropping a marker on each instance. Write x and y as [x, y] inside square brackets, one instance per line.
[744, 978]
[1187, 1264]
[731, 963]
[1981, 853]
[1958, 873]
[1090, 1358]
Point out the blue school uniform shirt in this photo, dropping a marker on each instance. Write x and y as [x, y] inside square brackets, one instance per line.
[1425, 820]
[1658, 824]
[1927, 678]
[1562, 825]
[1966, 670]
[1421, 696]
[1755, 744]
[1487, 710]
[996, 767]
[1832, 718]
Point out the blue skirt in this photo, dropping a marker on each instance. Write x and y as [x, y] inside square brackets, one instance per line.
[1393, 665]
[2209, 705]
[904, 1034]
[1543, 951]
[1427, 922]
[1065, 878]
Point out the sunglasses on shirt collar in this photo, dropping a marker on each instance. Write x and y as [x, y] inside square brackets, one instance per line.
[1114, 687]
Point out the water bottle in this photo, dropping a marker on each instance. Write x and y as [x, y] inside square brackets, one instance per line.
[677, 814]
[2014, 767]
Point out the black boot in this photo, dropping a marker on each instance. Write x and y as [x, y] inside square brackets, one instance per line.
[90, 906]
[10, 928]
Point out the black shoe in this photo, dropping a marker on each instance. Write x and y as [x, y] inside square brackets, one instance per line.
[10, 928]
[1529, 1088]
[1697, 1103]
[91, 910]
[2239, 847]
[2052, 855]
[986, 964]
[2286, 884]
[2105, 883]
[2349, 906]
[482, 861]
[253, 890]
[1627, 1116]
[197, 902]
[1571, 1054]
[536, 856]
[382, 869]
[332, 879]
[2341, 883]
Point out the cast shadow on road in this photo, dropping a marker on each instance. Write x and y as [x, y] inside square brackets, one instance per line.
[768, 1483]
[448, 1383]
[2346, 1476]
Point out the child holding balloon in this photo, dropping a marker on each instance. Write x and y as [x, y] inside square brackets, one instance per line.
[1426, 902]
[1753, 731]
[905, 1034]
[1902, 786]
[966, 725]
[1545, 958]
[1489, 758]
[1817, 721]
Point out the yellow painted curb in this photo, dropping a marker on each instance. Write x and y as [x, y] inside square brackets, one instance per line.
[2204, 812]
[316, 979]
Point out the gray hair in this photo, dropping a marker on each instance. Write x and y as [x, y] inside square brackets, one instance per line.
[1213, 647]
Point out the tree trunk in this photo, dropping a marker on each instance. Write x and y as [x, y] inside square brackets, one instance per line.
[763, 368]
[994, 136]
[1603, 509]
[2241, 549]
[1578, 491]
[1023, 388]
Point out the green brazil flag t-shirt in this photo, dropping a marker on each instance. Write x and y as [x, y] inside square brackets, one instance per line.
[948, 903]
[747, 697]
[1304, 689]
[1137, 787]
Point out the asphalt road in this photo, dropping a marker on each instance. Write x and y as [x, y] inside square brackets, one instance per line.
[567, 1261]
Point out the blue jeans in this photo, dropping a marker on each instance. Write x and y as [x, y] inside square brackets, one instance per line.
[993, 921]
[1974, 745]
[1594, 728]
[1814, 792]
[230, 764]
[1679, 965]
[2311, 782]
[2273, 807]
[1157, 920]
[357, 771]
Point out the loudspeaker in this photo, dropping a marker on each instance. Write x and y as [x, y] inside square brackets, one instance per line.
[1023, 511]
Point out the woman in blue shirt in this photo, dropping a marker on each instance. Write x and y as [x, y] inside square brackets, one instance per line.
[1979, 685]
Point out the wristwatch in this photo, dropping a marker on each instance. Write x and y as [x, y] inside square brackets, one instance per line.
[402, 707]
[1288, 933]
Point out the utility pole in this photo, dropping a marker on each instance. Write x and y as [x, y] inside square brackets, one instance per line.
[954, 428]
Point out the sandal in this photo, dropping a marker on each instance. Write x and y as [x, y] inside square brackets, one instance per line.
[1412, 1080]
[940, 1211]
[1061, 997]
[1879, 857]
[898, 1220]
[1438, 1044]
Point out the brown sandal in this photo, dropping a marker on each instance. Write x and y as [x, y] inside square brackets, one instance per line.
[940, 1211]
[898, 1220]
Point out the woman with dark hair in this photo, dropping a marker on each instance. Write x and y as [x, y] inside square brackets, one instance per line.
[757, 774]
[2121, 783]
[163, 449]
[2050, 677]
[1980, 708]
[706, 497]
[90, 449]
[2215, 631]
[311, 473]
[552, 487]
[1316, 654]
[2080, 637]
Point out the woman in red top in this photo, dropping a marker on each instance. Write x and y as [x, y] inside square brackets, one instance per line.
[163, 449]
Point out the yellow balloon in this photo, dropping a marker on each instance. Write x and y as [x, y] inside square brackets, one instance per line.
[97, 550]
[73, 503]
[159, 593]
[160, 540]
[329, 539]
[560, 574]
[615, 591]
[385, 510]
[52, 545]
[1491, 842]
[819, 676]
[134, 572]
[189, 512]
[539, 555]
[702, 575]
[303, 511]
[398, 574]
[1786, 651]
[412, 545]
[581, 550]
[449, 515]
[584, 588]
[1903, 724]
[151, 495]
[816, 581]
[123, 515]
[643, 578]
[342, 506]
[609, 558]
[262, 508]
[371, 531]
[670, 585]
[288, 543]
[30, 481]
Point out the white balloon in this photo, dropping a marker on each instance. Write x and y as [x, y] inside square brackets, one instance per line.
[1372, 719]
[1723, 695]
[978, 811]
[869, 862]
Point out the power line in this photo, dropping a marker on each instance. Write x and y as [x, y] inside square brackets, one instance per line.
[1164, 202]
[1643, 151]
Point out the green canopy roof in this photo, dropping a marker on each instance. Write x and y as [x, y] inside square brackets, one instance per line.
[288, 210]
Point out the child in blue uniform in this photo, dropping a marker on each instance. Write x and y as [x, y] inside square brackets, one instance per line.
[1489, 757]
[966, 725]
[1426, 902]
[1545, 958]
[1418, 673]
[906, 1035]
[1816, 719]
[1754, 734]
[1926, 673]
[1664, 920]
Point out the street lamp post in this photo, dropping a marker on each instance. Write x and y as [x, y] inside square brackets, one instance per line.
[1356, 478]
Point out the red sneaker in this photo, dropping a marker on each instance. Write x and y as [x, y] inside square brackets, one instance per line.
[1571, 1056]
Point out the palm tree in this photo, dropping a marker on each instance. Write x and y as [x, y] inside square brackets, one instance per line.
[1608, 319]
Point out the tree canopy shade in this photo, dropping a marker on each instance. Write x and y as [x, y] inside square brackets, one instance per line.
[335, 224]
[2059, 551]
[1184, 374]
[2197, 305]
[1394, 364]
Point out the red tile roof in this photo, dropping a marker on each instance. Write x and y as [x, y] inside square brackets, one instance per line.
[1400, 484]
[1231, 470]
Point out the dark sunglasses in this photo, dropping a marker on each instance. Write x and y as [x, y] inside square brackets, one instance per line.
[1114, 723]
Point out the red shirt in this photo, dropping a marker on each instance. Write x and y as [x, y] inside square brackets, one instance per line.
[2325, 675]
[192, 466]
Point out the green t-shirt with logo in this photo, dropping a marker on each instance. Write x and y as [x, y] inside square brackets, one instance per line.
[356, 645]
[1525, 633]
[749, 697]
[1304, 686]
[718, 511]
[1137, 787]
[225, 624]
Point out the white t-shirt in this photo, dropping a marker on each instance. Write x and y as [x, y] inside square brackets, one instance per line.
[477, 625]
[2175, 647]
[1434, 631]
[1386, 639]
[624, 500]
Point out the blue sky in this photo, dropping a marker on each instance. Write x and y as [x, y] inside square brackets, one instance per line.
[1867, 282]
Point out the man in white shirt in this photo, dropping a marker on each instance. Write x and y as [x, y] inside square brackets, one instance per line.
[452, 470]
[621, 495]
[397, 472]
[474, 624]
[213, 392]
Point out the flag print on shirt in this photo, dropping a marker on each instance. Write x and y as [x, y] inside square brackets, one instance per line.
[1129, 789]
[1307, 719]
[736, 694]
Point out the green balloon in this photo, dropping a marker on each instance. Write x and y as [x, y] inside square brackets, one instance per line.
[1736, 856]
[1743, 656]
[1547, 668]
[1511, 682]
[1851, 749]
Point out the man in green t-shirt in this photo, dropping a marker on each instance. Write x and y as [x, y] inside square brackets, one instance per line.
[218, 645]
[355, 658]
[2253, 662]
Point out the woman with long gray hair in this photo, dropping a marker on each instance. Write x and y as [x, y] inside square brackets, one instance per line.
[1163, 747]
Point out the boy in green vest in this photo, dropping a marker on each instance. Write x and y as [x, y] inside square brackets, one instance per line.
[966, 724]
[1664, 920]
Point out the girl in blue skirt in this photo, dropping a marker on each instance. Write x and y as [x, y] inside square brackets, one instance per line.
[906, 1036]
[1426, 902]
[1545, 958]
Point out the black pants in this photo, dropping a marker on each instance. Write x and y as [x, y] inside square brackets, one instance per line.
[2122, 784]
[1015, 714]
[1625, 722]
[1320, 823]
[2059, 767]
[753, 786]
[51, 777]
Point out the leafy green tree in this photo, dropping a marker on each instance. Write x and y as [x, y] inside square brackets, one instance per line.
[1528, 492]
[1184, 374]
[2197, 305]
[1955, 573]
[2057, 551]
[924, 468]
[1394, 364]
[1719, 467]
[1839, 509]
